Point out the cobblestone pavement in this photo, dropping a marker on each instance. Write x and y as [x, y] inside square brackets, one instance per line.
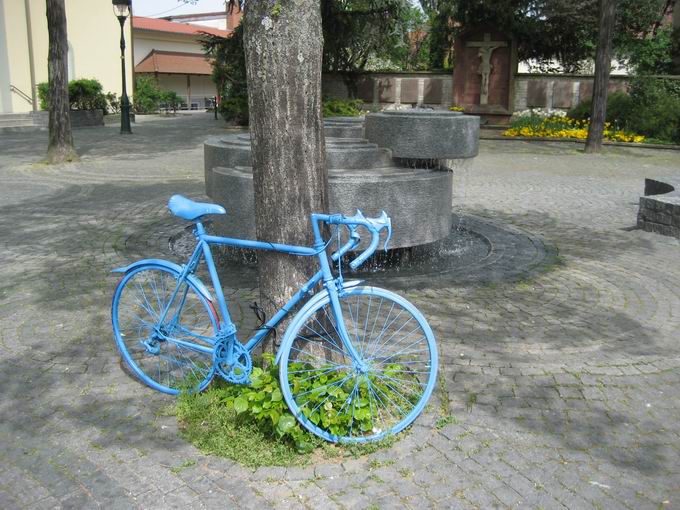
[563, 383]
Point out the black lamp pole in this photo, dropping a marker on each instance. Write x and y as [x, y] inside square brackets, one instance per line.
[122, 9]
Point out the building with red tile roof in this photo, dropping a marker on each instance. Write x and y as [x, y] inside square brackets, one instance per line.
[172, 53]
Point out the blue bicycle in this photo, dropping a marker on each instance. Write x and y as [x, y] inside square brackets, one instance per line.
[356, 362]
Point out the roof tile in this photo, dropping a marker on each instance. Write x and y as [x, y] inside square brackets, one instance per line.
[174, 62]
[161, 25]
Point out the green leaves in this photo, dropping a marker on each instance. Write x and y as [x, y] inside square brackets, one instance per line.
[286, 424]
[253, 425]
[240, 405]
[336, 400]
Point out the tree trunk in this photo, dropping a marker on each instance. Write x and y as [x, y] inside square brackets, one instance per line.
[283, 44]
[602, 70]
[60, 147]
[676, 38]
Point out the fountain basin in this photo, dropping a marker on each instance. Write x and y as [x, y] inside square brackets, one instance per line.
[415, 188]
[419, 202]
[425, 134]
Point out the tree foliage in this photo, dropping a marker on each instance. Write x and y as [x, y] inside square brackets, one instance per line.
[229, 73]
[370, 33]
[355, 30]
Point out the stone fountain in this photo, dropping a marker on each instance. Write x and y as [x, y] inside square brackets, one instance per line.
[397, 161]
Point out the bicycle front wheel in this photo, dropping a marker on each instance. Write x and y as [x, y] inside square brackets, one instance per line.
[345, 400]
[151, 348]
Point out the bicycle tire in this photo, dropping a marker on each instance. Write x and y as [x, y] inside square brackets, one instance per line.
[138, 300]
[340, 402]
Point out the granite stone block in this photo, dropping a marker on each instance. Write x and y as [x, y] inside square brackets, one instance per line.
[425, 134]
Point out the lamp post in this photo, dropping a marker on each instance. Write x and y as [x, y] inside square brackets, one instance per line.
[121, 9]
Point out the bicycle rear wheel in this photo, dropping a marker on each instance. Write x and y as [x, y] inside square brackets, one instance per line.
[147, 346]
[342, 400]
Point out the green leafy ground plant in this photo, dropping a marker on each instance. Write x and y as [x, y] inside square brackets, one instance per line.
[253, 425]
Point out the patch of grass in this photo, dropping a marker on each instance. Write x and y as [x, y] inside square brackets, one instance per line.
[376, 479]
[445, 417]
[405, 472]
[361, 449]
[214, 427]
[166, 411]
[375, 463]
[446, 420]
[187, 463]
[471, 401]
[524, 285]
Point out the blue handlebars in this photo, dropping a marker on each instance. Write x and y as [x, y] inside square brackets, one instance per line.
[373, 225]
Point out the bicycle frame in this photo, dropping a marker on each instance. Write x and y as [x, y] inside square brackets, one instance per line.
[331, 283]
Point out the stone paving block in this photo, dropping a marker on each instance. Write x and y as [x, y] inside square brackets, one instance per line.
[313, 496]
[328, 470]
[299, 473]
[508, 497]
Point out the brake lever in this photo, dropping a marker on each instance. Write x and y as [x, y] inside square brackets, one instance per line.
[381, 222]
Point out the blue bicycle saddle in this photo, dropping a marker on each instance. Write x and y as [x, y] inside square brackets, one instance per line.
[189, 210]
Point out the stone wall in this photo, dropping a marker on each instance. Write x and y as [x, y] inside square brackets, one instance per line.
[383, 89]
[561, 92]
[660, 207]
[436, 89]
[79, 118]
[86, 118]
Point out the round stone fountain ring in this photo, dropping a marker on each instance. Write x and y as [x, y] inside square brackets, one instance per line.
[425, 134]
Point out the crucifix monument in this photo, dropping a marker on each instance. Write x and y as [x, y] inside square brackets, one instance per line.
[486, 48]
[484, 72]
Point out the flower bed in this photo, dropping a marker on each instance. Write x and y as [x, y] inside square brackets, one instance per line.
[555, 124]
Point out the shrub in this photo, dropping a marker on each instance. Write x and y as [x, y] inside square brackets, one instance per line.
[620, 108]
[85, 94]
[147, 95]
[342, 107]
[170, 100]
[234, 107]
[657, 108]
[652, 109]
[44, 95]
[113, 101]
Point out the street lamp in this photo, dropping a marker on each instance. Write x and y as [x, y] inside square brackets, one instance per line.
[121, 8]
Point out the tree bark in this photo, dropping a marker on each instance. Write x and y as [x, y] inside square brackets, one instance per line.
[60, 147]
[283, 44]
[602, 70]
[676, 38]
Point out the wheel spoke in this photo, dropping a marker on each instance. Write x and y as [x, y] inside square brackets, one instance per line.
[362, 401]
[140, 301]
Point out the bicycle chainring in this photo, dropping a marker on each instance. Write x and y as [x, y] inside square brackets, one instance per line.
[239, 371]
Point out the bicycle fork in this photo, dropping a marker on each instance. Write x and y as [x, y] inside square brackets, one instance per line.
[334, 295]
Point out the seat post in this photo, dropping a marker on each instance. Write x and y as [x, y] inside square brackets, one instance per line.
[200, 229]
